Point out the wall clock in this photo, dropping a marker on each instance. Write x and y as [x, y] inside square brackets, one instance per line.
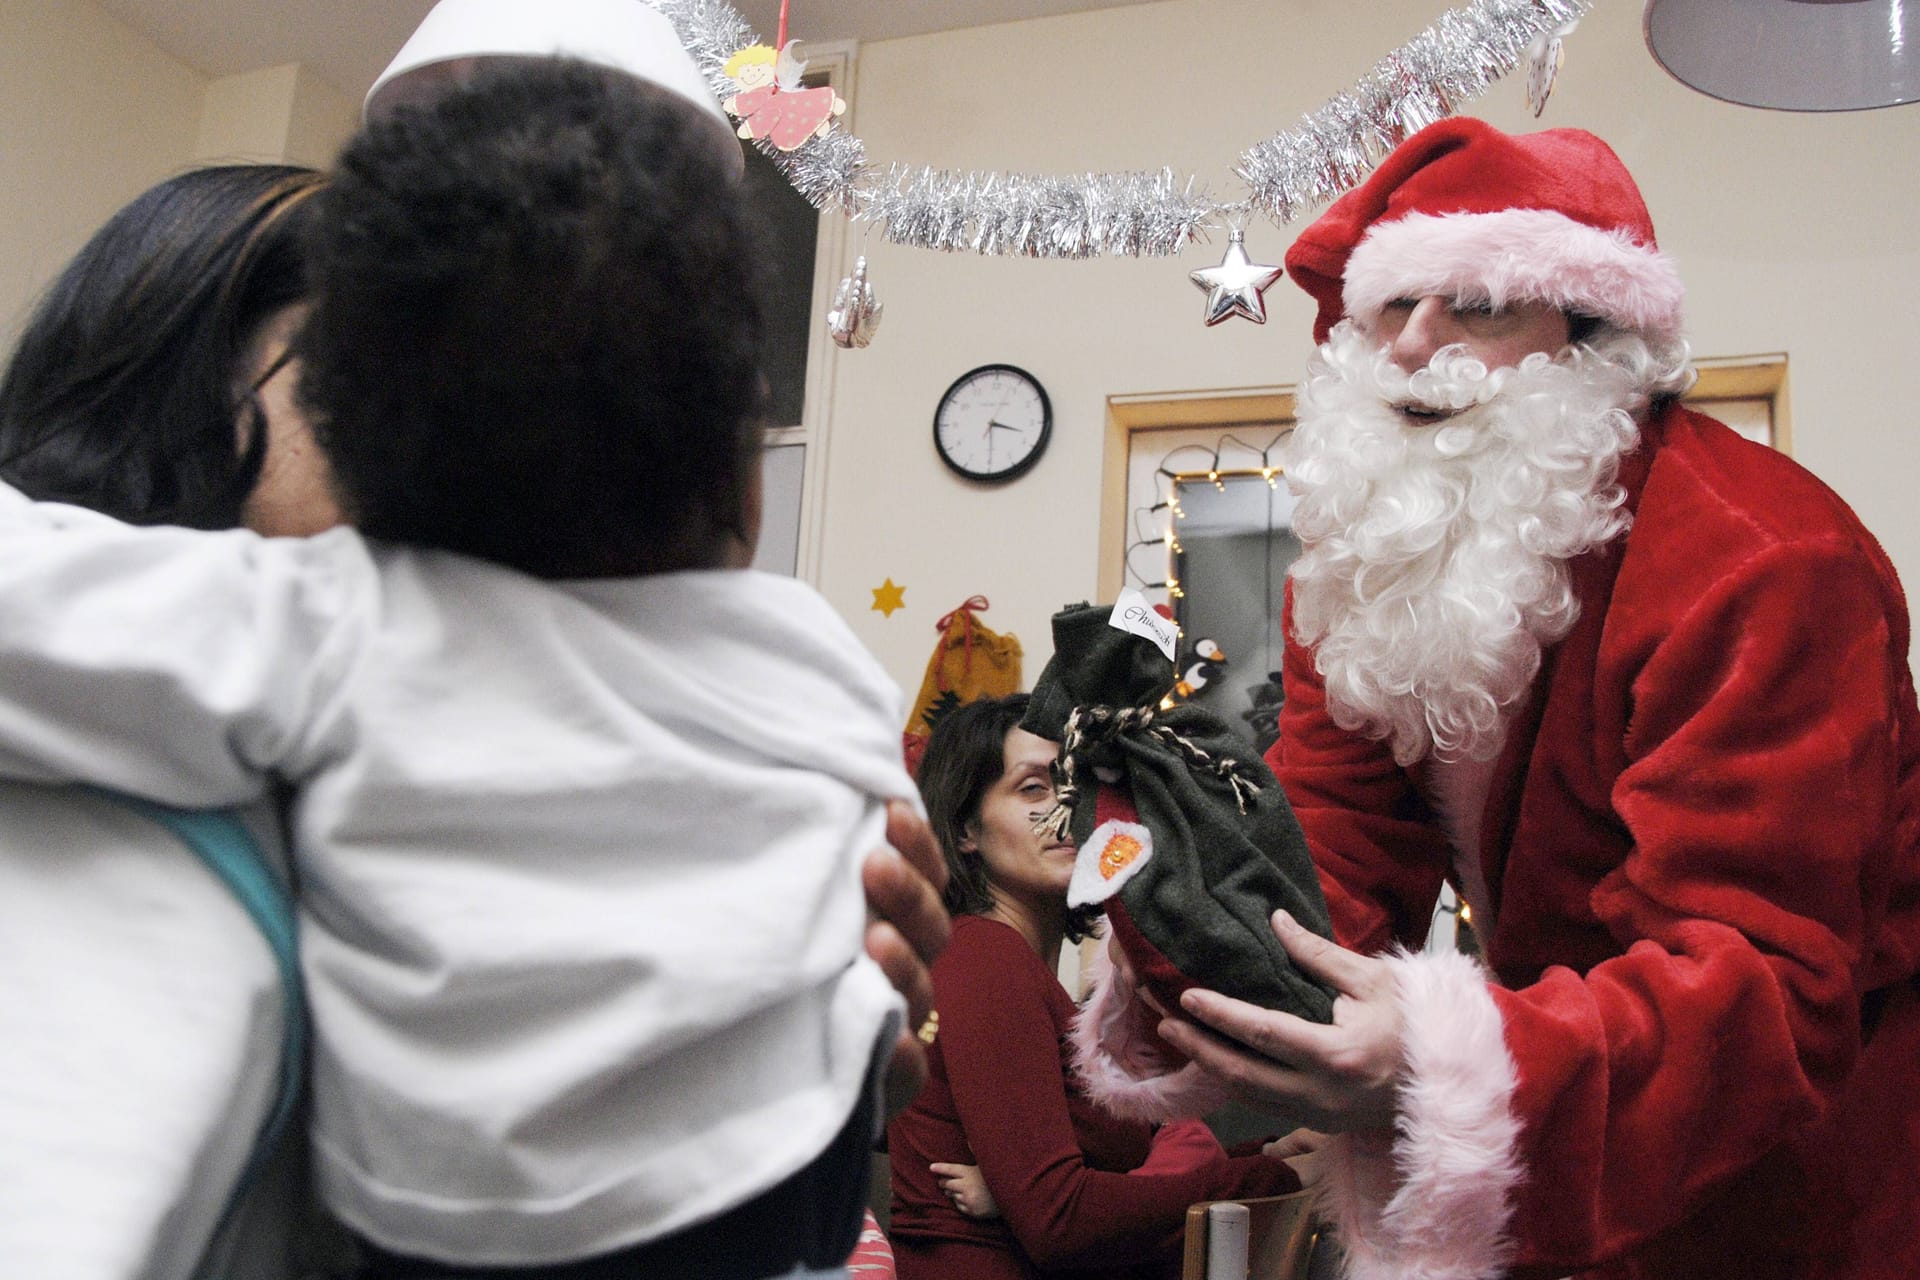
[993, 423]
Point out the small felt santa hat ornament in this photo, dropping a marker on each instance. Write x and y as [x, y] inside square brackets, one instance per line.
[622, 35]
[1186, 843]
[1463, 210]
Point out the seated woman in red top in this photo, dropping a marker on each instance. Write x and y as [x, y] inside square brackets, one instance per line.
[999, 1092]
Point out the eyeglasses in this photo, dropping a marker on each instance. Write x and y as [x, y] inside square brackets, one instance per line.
[272, 371]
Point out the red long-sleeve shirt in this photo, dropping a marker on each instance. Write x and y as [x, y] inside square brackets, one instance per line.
[998, 1095]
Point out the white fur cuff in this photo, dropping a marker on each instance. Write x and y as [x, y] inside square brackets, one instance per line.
[1434, 1201]
[1514, 255]
[1124, 1066]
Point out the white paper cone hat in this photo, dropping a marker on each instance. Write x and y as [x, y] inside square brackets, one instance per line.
[623, 35]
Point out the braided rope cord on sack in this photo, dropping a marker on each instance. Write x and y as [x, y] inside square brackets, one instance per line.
[1093, 726]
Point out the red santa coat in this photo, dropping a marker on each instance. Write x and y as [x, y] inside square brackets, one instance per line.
[1699, 1055]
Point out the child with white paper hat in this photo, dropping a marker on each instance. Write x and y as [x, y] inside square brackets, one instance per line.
[578, 802]
[459, 36]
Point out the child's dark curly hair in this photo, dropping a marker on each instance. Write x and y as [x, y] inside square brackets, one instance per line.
[536, 335]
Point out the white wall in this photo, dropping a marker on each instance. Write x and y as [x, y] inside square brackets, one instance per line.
[91, 114]
[274, 115]
[320, 119]
[243, 117]
[1791, 230]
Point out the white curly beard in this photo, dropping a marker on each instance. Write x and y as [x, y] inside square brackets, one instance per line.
[1435, 560]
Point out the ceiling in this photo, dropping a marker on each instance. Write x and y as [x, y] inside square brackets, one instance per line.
[348, 42]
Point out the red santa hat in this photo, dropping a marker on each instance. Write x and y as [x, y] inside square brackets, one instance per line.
[1464, 210]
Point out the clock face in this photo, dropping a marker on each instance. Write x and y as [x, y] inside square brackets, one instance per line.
[993, 423]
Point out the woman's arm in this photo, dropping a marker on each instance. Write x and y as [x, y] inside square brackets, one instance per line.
[1179, 1146]
[1003, 1058]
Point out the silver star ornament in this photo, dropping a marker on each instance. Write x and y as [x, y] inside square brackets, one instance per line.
[1236, 286]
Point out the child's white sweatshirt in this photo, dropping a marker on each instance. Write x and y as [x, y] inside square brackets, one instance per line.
[577, 861]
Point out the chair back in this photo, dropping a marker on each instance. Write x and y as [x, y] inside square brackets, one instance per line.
[1280, 1238]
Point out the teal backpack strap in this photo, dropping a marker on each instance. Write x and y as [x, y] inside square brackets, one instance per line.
[228, 849]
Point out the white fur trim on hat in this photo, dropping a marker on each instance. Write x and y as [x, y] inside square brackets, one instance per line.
[1517, 255]
[1433, 1202]
[1126, 1071]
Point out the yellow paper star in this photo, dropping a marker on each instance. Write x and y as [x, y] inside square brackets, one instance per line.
[887, 598]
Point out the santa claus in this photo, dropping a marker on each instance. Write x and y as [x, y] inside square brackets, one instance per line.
[1639, 689]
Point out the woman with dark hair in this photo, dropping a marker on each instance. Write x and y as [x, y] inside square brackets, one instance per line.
[152, 382]
[148, 1009]
[1076, 1189]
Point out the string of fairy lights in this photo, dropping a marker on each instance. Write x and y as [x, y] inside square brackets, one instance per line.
[1167, 536]
[1153, 213]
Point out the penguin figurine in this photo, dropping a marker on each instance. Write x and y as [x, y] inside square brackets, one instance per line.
[1208, 659]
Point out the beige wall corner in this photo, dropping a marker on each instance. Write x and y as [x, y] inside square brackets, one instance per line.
[91, 114]
[245, 117]
[274, 115]
[323, 119]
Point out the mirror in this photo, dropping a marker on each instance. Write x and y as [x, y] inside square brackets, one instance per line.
[1236, 542]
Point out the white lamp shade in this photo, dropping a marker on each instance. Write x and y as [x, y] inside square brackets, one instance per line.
[624, 35]
[1790, 55]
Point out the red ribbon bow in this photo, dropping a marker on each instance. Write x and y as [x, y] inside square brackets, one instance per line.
[963, 616]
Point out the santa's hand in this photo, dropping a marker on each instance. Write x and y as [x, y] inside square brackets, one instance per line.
[1335, 1078]
[907, 928]
[963, 1185]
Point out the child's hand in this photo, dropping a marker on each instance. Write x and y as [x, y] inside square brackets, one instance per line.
[1302, 1150]
[963, 1185]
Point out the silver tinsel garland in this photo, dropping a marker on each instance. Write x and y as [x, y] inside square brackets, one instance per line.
[1146, 214]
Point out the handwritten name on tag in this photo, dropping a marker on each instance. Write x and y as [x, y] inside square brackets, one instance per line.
[1132, 613]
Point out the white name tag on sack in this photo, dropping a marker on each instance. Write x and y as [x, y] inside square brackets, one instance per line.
[1131, 612]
